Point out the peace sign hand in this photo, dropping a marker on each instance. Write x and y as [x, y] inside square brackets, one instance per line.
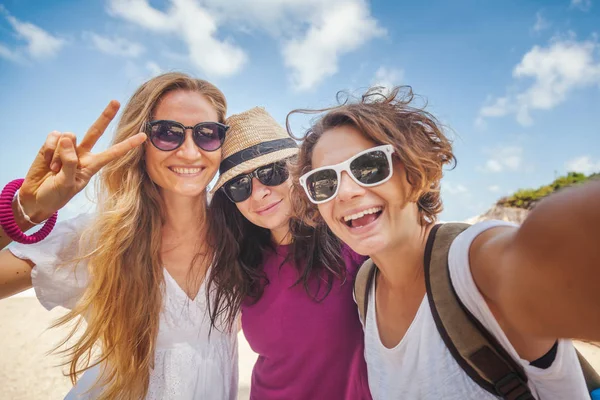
[62, 168]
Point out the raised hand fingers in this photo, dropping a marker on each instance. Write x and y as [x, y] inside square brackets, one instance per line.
[98, 127]
[56, 162]
[40, 166]
[68, 158]
[116, 151]
[47, 150]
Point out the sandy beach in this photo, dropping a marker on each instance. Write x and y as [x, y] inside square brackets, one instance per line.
[27, 372]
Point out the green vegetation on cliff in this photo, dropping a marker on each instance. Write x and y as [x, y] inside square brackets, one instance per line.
[526, 198]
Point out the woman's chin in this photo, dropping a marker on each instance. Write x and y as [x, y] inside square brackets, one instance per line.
[367, 247]
[186, 192]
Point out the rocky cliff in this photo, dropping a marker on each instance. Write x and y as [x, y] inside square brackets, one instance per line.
[510, 214]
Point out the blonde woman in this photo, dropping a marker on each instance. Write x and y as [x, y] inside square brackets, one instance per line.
[135, 270]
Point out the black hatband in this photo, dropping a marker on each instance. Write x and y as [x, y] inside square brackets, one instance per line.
[256, 151]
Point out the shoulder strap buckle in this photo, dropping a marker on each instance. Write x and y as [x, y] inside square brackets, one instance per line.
[512, 387]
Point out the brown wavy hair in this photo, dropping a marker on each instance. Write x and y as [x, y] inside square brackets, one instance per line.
[237, 274]
[124, 297]
[385, 118]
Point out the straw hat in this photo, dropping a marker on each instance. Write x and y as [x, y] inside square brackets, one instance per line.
[254, 139]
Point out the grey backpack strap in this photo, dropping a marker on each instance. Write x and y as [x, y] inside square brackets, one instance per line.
[477, 351]
[362, 286]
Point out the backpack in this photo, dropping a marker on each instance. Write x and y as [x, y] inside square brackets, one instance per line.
[476, 350]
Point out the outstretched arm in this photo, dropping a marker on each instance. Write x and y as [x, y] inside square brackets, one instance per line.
[544, 277]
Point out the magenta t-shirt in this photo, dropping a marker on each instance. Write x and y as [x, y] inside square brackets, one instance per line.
[306, 350]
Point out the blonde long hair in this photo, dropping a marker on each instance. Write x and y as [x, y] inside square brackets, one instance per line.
[123, 299]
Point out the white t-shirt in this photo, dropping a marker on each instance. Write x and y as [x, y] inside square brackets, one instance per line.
[421, 367]
[188, 365]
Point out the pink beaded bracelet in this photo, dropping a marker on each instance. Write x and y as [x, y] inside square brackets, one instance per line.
[7, 217]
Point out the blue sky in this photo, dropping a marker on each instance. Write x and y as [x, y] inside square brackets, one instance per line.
[516, 82]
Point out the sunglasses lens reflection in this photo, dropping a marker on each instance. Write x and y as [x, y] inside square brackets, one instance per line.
[322, 184]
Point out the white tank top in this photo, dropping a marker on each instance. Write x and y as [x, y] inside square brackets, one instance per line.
[421, 367]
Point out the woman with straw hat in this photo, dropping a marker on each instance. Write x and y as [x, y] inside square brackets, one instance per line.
[293, 282]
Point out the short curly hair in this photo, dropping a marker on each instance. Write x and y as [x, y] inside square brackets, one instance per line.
[385, 118]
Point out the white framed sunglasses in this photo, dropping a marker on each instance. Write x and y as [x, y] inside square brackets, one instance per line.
[368, 168]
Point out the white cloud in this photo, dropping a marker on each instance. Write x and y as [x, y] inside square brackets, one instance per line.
[494, 188]
[499, 108]
[504, 158]
[142, 13]
[194, 25]
[154, 68]
[116, 46]
[40, 44]
[583, 5]
[540, 22]
[493, 166]
[556, 71]
[453, 188]
[313, 34]
[583, 164]
[388, 77]
[9, 54]
[480, 122]
[138, 72]
[340, 29]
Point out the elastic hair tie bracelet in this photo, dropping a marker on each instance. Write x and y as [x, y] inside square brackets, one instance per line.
[7, 217]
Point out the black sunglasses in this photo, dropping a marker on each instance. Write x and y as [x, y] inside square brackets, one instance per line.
[168, 135]
[239, 188]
